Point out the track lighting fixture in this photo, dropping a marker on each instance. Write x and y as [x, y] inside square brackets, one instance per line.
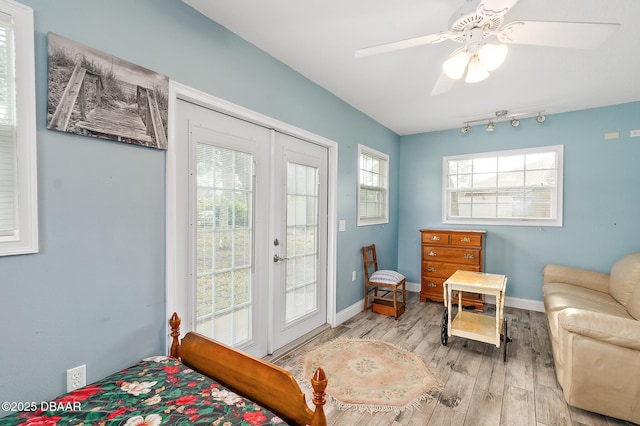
[503, 114]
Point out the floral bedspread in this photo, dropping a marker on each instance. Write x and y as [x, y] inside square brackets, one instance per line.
[156, 391]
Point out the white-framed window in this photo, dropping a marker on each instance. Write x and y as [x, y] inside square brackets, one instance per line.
[514, 187]
[373, 186]
[18, 193]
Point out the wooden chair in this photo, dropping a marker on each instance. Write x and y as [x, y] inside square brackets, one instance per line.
[385, 288]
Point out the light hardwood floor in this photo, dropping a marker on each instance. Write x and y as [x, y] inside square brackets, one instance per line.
[479, 388]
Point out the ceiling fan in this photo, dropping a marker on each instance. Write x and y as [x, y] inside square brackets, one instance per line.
[477, 20]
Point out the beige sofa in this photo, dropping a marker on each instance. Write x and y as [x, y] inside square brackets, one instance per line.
[594, 324]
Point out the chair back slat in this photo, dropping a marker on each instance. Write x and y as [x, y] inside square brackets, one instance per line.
[370, 260]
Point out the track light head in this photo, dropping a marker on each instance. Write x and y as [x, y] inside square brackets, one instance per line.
[503, 115]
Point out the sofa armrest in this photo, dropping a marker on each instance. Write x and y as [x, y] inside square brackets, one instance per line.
[593, 280]
[607, 328]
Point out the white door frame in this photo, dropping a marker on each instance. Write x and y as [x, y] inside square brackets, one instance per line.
[177, 299]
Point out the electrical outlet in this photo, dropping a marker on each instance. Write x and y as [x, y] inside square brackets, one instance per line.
[76, 378]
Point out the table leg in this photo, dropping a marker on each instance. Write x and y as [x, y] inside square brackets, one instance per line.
[444, 331]
[498, 318]
[505, 336]
[450, 309]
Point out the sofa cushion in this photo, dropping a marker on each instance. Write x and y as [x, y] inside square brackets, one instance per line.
[624, 277]
[559, 296]
[633, 307]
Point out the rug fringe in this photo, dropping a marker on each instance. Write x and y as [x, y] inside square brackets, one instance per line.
[365, 408]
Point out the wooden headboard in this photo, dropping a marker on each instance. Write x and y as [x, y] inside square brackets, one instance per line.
[264, 383]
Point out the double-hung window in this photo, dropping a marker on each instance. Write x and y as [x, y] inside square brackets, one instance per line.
[373, 187]
[18, 201]
[515, 187]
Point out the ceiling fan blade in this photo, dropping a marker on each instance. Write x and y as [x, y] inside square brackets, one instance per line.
[404, 44]
[494, 8]
[577, 35]
[443, 85]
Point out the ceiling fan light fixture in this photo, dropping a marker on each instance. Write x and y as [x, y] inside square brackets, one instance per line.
[456, 64]
[492, 55]
[476, 71]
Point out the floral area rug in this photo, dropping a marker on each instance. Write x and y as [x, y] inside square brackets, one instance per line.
[371, 375]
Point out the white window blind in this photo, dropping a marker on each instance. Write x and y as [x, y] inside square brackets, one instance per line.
[516, 187]
[18, 177]
[8, 169]
[373, 183]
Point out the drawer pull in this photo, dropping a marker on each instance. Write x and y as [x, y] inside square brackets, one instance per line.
[431, 269]
[431, 284]
[465, 240]
[469, 256]
[432, 253]
[435, 238]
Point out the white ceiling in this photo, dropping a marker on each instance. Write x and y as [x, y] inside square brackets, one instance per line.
[318, 38]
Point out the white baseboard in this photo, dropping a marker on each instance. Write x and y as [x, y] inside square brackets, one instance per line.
[414, 287]
[518, 303]
[527, 304]
[511, 302]
[349, 312]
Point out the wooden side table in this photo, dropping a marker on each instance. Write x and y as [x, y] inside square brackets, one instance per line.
[471, 325]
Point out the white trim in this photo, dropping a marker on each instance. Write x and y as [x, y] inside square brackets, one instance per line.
[413, 287]
[26, 240]
[176, 301]
[527, 304]
[171, 226]
[557, 201]
[382, 156]
[511, 302]
[349, 312]
[518, 303]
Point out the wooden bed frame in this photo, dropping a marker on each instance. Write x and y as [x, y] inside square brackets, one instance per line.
[266, 384]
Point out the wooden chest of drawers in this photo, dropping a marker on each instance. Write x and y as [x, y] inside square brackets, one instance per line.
[444, 252]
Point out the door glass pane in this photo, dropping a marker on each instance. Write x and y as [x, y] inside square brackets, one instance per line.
[224, 238]
[301, 295]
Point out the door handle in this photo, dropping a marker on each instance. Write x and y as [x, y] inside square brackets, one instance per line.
[277, 258]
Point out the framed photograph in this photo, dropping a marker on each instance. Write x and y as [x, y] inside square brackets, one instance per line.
[96, 94]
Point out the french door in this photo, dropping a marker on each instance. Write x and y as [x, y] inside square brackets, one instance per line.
[257, 231]
[300, 243]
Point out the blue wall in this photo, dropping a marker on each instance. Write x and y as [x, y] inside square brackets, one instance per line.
[601, 202]
[95, 293]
